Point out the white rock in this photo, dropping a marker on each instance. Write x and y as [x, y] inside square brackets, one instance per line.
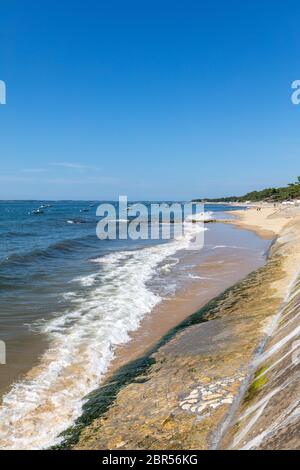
[214, 405]
[201, 408]
[186, 406]
[227, 400]
[215, 395]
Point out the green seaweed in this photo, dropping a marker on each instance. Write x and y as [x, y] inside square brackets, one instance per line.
[259, 381]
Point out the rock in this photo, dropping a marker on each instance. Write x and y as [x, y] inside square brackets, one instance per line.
[227, 400]
[215, 405]
[213, 396]
[186, 406]
[201, 408]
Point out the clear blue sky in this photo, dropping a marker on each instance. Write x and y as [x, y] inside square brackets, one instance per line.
[153, 99]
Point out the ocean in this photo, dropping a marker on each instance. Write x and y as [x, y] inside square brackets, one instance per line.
[68, 300]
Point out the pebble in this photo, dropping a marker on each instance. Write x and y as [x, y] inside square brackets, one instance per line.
[227, 400]
[208, 402]
[186, 406]
[201, 408]
[213, 396]
[206, 398]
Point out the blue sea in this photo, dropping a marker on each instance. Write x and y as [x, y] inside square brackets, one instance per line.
[68, 300]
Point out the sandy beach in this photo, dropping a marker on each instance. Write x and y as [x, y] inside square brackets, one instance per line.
[266, 220]
[282, 223]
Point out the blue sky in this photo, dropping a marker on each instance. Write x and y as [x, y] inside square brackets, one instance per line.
[152, 99]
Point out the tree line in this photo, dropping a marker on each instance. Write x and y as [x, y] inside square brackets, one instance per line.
[285, 193]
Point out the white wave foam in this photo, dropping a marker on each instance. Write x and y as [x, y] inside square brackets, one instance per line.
[217, 247]
[200, 216]
[86, 281]
[167, 267]
[82, 346]
[195, 276]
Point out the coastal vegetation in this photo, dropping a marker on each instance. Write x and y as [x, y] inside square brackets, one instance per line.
[285, 193]
[259, 381]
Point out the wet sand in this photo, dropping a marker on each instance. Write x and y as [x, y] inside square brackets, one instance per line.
[22, 355]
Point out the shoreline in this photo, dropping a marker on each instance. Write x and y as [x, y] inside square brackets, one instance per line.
[230, 324]
[209, 350]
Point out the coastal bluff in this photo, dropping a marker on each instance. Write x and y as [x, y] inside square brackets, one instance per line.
[226, 377]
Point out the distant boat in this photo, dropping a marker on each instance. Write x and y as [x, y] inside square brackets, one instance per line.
[76, 221]
[37, 212]
[84, 210]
